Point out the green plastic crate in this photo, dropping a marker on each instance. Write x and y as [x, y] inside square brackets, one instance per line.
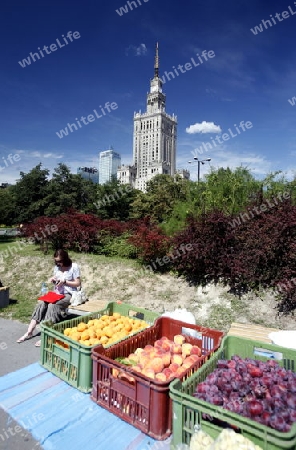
[70, 360]
[188, 410]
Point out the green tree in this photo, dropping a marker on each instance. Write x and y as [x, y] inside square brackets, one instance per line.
[162, 194]
[69, 191]
[113, 200]
[229, 190]
[29, 193]
[7, 207]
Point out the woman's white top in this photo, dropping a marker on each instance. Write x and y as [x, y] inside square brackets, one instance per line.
[68, 275]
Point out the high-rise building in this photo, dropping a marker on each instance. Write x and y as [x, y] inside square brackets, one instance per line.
[109, 162]
[89, 173]
[155, 135]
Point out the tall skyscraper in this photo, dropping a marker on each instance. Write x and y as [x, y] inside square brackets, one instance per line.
[109, 162]
[155, 135]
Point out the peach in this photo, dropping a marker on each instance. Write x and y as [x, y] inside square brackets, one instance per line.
[176, 358]
[176, 348]
[148, 372]
[115, 373]
[179, 339]
[158, 352]
[166, 345]
[134, 357]
[195, 350]
[168, 373]
[148, 348]
[166, 358]
[160, 377]
[158, 343]
[180, 373]
[156, 364]
[138, 351]
[188, 362]
[174, 367]
[137, 368]
[186, 348]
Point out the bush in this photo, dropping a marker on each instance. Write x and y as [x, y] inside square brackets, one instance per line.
[259, 252]
[149, 240]
[116, 245]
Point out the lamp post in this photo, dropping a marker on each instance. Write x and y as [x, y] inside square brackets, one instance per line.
[199, 162]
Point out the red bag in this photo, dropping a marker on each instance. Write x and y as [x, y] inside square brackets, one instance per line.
[51, 297]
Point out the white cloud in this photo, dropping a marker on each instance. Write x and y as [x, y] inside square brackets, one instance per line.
[203, 127]
[136, 51]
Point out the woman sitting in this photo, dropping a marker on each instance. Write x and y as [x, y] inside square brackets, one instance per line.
[66, 278]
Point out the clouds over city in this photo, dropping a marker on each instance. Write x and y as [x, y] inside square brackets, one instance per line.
[203, 127]
[133, 50]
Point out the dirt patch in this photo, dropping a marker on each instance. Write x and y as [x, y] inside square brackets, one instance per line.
[109, 280]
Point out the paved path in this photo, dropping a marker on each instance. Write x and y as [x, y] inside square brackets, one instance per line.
[14, 356]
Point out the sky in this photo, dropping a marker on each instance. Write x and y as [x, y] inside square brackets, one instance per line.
[233, 90]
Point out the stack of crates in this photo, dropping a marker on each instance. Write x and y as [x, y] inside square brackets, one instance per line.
[70, 360]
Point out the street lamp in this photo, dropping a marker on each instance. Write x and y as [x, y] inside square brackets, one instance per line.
[199, 162]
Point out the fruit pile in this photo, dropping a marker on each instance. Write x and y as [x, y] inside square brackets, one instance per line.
[165, 360]
[106, 330]
[227, 440]
[262, 391]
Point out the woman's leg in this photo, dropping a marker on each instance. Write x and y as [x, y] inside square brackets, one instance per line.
[56, 312]
[38, 315]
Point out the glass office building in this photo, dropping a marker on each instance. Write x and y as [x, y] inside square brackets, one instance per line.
[109, 162]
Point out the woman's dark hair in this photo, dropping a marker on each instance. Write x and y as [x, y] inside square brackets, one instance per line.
[64, 257]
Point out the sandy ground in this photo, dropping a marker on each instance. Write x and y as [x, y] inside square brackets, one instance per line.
[212, 306]
[108, 279]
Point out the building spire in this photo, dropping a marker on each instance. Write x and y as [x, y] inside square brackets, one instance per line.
[156, 62]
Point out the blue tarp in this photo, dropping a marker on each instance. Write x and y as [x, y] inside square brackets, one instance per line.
[61, 417]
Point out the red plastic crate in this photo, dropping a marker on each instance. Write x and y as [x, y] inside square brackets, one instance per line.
[140, 401]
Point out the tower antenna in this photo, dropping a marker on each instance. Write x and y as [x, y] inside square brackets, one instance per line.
[156, 62]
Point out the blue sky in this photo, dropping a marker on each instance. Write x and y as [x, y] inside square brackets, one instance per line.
[251, 78]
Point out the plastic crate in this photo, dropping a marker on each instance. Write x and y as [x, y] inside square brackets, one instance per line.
[141, 401]
[70, 360]
[189, 411]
